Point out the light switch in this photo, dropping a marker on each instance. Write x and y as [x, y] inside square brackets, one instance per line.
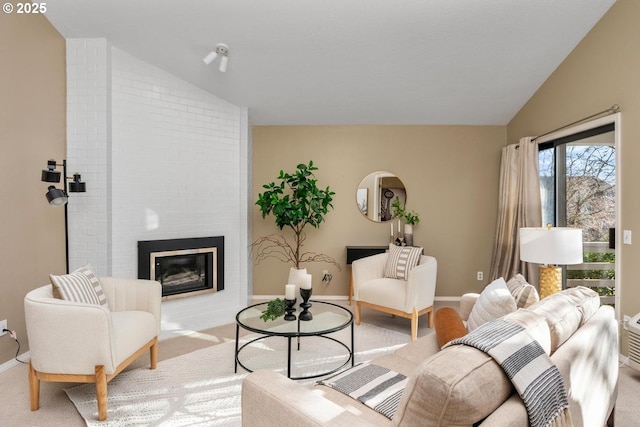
[626, 237]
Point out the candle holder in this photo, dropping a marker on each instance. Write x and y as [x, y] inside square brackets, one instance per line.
[305, 314]
[289, 309]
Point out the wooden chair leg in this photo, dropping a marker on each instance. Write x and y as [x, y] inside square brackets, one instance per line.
[430, 318]
[101, 392]
[357, 312]
[34, 388]
[154, 355]
[414, 324]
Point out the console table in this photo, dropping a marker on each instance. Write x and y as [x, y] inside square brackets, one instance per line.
[357, 252]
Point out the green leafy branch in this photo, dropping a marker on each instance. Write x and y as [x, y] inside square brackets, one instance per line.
[411, 217]
[275, 309]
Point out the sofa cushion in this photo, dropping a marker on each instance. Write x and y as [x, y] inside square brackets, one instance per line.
[535, 324]
[414, 353]
[494, 301]
[401, 260]
[461, 385]
[81, 285]
[127, 339]
[522, 291]
[448, 325]
[566, 311]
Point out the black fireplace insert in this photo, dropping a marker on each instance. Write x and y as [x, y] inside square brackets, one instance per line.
[183, 266]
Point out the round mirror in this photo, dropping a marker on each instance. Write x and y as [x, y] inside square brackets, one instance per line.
[377, 192]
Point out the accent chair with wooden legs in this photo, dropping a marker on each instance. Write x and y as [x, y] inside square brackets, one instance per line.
[409, 298]
[90, 343]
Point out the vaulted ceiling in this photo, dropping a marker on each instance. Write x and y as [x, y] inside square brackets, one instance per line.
[456, 62]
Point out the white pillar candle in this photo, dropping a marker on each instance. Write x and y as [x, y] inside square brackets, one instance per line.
[290, 292]
[306, 282]
[391, 229]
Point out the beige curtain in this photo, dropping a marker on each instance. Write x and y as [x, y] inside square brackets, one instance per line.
[519, 206]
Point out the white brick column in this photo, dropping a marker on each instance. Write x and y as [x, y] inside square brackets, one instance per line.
[162, 159]
[88, 140]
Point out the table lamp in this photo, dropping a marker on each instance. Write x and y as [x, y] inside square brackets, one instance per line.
[550, 247]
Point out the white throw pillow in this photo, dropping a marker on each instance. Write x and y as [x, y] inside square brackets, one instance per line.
[522, 291]
[401, 260]
[494, 302]
[81, 285]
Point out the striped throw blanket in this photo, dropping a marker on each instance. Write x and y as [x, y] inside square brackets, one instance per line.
[529, 368]
[377, 387]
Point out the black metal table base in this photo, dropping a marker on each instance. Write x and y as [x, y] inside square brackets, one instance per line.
[289, 338]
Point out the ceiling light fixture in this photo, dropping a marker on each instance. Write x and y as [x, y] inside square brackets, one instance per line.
[221, 50]
[210, 57]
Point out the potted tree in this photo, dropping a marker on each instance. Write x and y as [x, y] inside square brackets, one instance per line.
[295, 202]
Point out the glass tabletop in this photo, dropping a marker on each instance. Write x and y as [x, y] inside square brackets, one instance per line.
[327, 318]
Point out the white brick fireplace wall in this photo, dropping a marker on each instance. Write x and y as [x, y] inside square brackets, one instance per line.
[162, 159]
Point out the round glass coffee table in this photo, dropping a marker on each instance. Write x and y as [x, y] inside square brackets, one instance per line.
[327, 319]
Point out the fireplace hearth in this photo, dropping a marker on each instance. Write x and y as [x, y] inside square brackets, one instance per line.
[184, 267]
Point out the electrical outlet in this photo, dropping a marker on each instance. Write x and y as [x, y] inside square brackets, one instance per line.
[480, 275]
[3, 326]
[326, 277]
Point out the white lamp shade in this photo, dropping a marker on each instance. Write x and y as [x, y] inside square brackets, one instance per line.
[556, 245]
[210, 57]
[223, 63]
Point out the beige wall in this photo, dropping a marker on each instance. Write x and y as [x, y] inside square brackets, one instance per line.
[32, 126]
[450, 173]
[603, 70]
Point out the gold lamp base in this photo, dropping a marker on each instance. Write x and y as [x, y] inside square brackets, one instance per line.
[550, 280]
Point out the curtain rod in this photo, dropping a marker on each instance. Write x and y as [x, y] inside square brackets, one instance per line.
[613, 109]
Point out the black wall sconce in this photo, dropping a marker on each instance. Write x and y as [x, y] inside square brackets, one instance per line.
[57, 197]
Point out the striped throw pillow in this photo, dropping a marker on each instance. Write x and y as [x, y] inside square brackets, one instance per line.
[401, 260]
[522, 291]
[82, 285]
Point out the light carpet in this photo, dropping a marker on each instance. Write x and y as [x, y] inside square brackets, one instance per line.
[200, 388]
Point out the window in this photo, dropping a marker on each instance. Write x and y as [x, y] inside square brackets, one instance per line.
[578, 189]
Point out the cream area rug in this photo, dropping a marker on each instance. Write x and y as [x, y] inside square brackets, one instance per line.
[201, 389]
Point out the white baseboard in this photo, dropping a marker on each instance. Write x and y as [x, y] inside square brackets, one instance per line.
[448, 299]
[316, 297]
[623, 360]
[339, 298]
[25, 357]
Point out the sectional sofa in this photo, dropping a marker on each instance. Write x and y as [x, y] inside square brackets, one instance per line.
[460, 385]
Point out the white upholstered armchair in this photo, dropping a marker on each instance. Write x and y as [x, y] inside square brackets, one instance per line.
[78, 342]
[406, 298]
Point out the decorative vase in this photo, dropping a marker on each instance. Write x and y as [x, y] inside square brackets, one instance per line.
[297, 276]
[408, 234]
